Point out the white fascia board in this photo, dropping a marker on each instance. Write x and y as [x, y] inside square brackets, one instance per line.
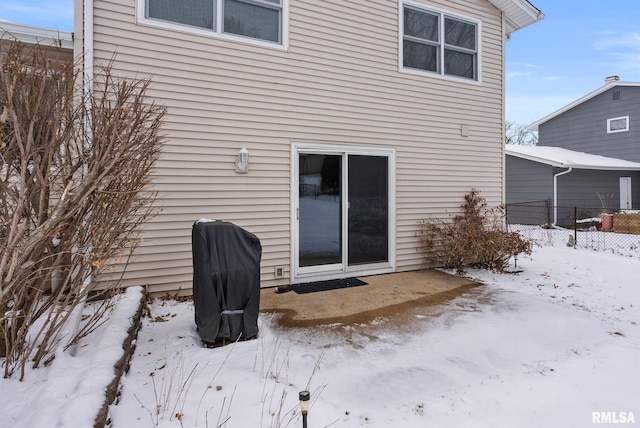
[607, 167]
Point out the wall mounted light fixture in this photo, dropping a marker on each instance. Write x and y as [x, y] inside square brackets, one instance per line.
[242, 166]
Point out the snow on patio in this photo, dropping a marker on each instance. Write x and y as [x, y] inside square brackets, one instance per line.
[548, 346]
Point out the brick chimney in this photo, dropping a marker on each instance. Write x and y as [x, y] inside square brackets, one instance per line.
[611, 79]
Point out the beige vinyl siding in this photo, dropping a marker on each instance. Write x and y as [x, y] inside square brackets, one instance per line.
[337, 83]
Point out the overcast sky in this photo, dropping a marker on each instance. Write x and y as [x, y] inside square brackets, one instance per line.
[549, 64]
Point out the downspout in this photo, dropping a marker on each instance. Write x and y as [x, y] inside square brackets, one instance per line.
[503, 137]
[87, 33]
[87, 77]
[555, 194]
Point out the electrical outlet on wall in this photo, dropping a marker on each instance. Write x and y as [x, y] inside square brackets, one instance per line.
[279, 271]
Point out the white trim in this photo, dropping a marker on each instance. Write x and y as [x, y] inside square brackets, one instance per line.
[610, 131]
[87, 58]
[443, 14]
[518, 13]
[555, 193]
[216, 33]
[341, 270]
[626, 195]
[503, 136]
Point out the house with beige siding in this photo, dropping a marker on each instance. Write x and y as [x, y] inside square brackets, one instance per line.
[359, 119]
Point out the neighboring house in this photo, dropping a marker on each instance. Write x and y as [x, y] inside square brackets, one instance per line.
[606, 123]
[359, 118]
[566, 179]
[57, 44]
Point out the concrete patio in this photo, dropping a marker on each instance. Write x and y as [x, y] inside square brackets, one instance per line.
[383, 296]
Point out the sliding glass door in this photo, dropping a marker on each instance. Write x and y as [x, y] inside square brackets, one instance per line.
[320, 209]
[368, 213]
[343, 210]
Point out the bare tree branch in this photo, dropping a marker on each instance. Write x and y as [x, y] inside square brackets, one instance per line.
[73, 191]
[516, 133]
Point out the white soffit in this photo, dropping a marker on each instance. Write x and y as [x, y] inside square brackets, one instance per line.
[518, 13]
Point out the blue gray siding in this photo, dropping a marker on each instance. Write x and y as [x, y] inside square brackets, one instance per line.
[584, 127]
[528, 191]
[581, 188]
[527, 181]
[529, 187]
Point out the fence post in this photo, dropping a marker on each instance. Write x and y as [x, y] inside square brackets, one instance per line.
[548, 205]
[575, 224]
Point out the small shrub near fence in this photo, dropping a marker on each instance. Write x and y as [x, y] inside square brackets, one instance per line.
[474, 238]
[588, 227]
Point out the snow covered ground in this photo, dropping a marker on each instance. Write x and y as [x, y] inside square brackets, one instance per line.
[557, 344]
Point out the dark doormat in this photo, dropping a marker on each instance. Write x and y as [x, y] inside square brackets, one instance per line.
[334, 284]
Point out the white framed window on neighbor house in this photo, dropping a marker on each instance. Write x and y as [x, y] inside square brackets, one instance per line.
[617, 124]
[438, 42]
[257, 20]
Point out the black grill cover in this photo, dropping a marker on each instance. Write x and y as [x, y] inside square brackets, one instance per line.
[226, 281]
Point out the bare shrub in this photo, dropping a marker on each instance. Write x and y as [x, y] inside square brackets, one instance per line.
[476, 238]
[73, 171]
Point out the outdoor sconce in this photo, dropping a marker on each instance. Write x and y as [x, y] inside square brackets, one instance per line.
[304, 406]
[242, 166]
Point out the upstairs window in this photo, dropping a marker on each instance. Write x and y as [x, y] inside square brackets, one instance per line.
[439, 43]
[255, 19]
[618, 124]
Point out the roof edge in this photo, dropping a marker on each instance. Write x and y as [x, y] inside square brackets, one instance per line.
[533, 158]
[32, 34]
[557, 164]
[518, 13]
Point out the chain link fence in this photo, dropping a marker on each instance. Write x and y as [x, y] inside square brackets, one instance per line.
[586, 227]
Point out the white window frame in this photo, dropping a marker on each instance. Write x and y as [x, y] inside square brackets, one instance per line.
[141, 19]
[613, 131]
[443, 14]
[340, 270]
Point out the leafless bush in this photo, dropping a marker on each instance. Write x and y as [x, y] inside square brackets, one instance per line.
[72, 193]
[476, 238]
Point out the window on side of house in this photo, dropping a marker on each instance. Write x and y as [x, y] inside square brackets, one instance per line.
[440, 43]
[255, 19]
[618, 124]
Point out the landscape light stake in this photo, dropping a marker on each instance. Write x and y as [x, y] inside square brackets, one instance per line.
[304, 406]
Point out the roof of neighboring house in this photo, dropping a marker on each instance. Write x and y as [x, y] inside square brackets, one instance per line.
[564, 158]
[517, 13]
[32, 35]
[606, 87]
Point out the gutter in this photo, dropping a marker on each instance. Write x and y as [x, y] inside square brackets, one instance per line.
[555, 194]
